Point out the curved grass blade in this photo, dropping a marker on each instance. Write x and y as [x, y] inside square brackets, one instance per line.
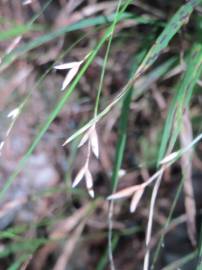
[181, 100]
[38, 14]
[17, 30]
[103, 261]
[123, 124]
[59, 106]
[51, 117]
[172, 208]
[18, 263]
[180, 18]
[99, 20]
[162, 41]
[181, 262]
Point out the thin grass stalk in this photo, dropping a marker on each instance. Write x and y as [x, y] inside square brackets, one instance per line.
[160, 243]
[59, 106]
[150, 220]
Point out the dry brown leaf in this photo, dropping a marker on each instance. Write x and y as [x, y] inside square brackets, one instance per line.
[186, 138]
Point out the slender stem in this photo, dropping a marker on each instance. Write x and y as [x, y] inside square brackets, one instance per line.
[150, 221]
[106, 60]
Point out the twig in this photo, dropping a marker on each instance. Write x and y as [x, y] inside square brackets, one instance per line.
[150, 220]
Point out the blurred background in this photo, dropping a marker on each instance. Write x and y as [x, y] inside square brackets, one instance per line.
[44, 223]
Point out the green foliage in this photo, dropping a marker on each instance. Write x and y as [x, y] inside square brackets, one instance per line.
[143, 64]
[181, 100]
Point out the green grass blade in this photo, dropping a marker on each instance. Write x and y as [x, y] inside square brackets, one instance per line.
[174, 25]
[106, 57]
[162, 41]
[40, 12]
[120, 147]
[16, 31]
[123, 124]
[26, 245]
[99, 20]
[181, 100]
[153, 76]
[182, 261]
[58, 107]
[17, 264]
[51, 117]
[157, 251]
[103, 261]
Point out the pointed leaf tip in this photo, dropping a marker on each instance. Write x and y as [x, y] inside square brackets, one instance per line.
[135, 200]
[69, 77]
[91, 193]
[67, 65]
[79, 177]
[169, 158]
[94, 143]
[84, 139]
